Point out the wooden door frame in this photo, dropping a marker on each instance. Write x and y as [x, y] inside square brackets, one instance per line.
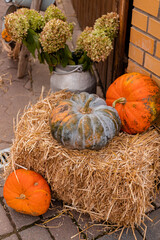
[120, 48]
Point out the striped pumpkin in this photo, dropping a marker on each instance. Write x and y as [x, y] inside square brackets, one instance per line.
[84, 122]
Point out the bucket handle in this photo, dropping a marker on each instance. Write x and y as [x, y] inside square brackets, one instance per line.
[77, 69]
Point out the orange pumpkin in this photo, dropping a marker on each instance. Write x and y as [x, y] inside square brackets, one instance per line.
[27, 192]
[136, 98]
[5, 35]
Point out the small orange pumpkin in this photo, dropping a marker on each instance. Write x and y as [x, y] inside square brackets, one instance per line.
[136, 98]
[27, 192]
[5, 35]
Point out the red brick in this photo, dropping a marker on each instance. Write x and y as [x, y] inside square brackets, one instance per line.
[136, 54]
[157, 80]
[142, 40]
[152, 64]
[149, 6]
[154, 28]
[158, 49]
[139, 20]
[134, 67]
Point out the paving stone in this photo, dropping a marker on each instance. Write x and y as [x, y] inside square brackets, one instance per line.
[127, 235]
[22, 101]
[6, 134]
[1, 185]
[91, 230]
[35, 233]
[2, 109]
[20, 219]
[5, 102]
[96, 230]
[157, 200]
[153, 228]
[68, 8]
[1, 191]
[60, 5]
[5, 144]
[9, 66]
[17, 89]
[12, 237]
[5, 225]
[54, 210]
[2, 93]
[43, 78]
[28, 85]
[74, 20]
[99, 92]
[14, 95]
[75, 36]
[63, 228]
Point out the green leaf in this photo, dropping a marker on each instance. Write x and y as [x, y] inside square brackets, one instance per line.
[51, 68]
[32, 41]
[53, 60]
[67, 51]
[64, 61]
[87, 62]
[63, 57]
[41, 57]
[29, 42]
[58, 58]
[36, 40]
[81, 60]
[31, 47]
[71, 62]
[48, 59]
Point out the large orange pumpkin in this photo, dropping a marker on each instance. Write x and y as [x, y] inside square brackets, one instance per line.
[136, 98]
[27, 192]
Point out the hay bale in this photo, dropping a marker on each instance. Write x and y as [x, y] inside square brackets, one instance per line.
[115, 184]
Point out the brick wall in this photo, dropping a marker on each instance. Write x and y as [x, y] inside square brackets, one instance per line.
[144, 46]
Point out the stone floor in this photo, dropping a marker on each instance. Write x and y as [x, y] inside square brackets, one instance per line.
[15, 94]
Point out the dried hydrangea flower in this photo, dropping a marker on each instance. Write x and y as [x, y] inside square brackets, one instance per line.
[83, 38]
[54, 35]
[17, 26]
[53, 12]
[95, 43]
[35, 19]
[109, 24]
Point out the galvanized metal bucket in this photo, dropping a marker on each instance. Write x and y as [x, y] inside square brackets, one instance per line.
[4, 155]
[72, 78]
[27, 3]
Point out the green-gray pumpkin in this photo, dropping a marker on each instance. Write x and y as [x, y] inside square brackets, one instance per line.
[84, 122]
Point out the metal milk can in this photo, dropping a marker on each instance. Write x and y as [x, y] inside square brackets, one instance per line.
[27, 3]
[72, 78]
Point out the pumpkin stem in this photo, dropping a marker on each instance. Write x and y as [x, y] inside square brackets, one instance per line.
[86, 108]
[21, 196]
[119, 100]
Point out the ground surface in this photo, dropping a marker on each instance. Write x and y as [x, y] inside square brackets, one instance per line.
[15, 94]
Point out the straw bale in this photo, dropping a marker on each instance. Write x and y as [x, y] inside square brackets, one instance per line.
[115, 184]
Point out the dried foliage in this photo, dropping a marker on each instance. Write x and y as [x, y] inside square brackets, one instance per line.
[115, 184]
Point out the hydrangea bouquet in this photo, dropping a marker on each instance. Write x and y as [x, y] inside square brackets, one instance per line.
[47, 36]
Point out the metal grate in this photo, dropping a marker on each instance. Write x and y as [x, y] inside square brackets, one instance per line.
[4, 154]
